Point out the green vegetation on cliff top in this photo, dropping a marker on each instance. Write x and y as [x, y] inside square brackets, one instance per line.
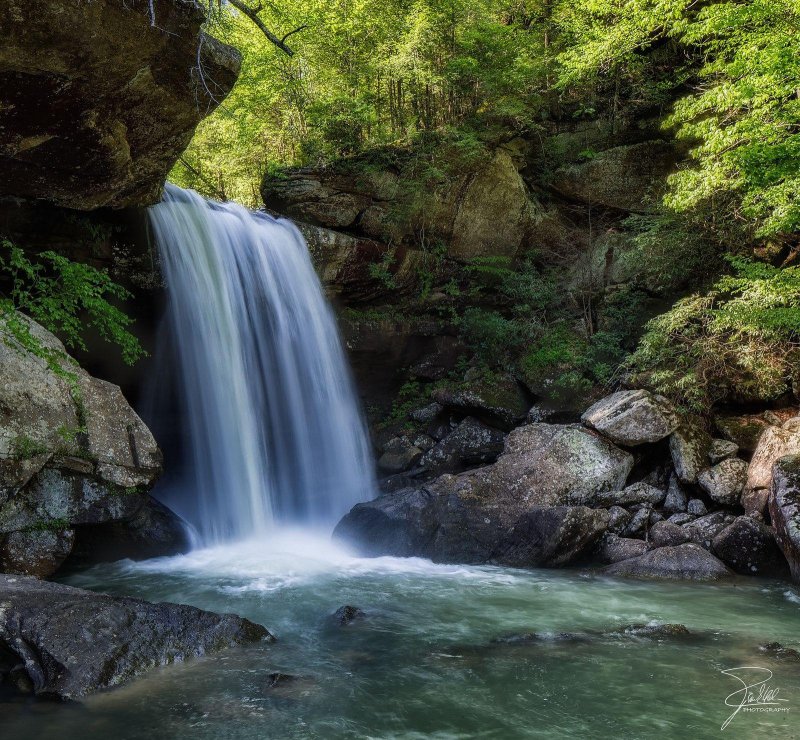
[399, 75]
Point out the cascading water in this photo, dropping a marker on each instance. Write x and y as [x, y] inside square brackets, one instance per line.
[273, 428]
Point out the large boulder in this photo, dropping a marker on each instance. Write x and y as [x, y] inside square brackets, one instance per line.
[557, 464]
[98, 99]
[626, 177]
[459, 518]
[724, 481]
[500, 402]
[632, 417]
[784, 509]
[749, 547]
[774, 443]
[552, 537]
[72, 451]
[682, 562]
[69, 642]
[689, 446]
[470, 443]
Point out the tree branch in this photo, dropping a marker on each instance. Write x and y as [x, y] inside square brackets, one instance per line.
[296, 30]
[253, 16]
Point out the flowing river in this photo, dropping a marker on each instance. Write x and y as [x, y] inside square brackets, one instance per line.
[422, 662]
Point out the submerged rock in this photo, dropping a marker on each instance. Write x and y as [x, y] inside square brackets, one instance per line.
[632, 418]
[682, 562]
[73, 642]
[345, 615]
[784, 509]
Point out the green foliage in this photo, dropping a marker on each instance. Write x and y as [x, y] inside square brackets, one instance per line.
[363, 74]
[64, 297]
[382, 271]
[23, 447]
[743, 115]
[738, 341]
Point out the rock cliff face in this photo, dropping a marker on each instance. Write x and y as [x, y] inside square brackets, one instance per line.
[73, 455]
[98, 99]
[487, 210]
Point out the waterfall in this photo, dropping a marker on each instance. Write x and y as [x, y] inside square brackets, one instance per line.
[272, 427]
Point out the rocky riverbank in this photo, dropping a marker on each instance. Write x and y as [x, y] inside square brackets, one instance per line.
[635, 488]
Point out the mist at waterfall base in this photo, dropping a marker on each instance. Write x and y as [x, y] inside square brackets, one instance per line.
[270, 428]
[273, 444]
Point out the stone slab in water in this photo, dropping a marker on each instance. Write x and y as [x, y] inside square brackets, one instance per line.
[72, 642]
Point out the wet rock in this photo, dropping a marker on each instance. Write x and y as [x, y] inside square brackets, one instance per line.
[399, 455]
[667, 534]
[36, 552]
[653, 631]
[153, 531]
[779, 652]
[784, 510]
[721, 449]
[462, 518]
[703, 530]
[291, 687]
[72, 451]
[696, 507]
[676, 499]
[618, 519]
[774, 444]
[632, 418]
[689, 446]
[637, 493]
[749, 547]
[76, 642]
[725, 481]
[556, 464]
[345, 615]
[552, 537]
[99, 99]
[613, 549]
[470, 443]
[682, 562]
